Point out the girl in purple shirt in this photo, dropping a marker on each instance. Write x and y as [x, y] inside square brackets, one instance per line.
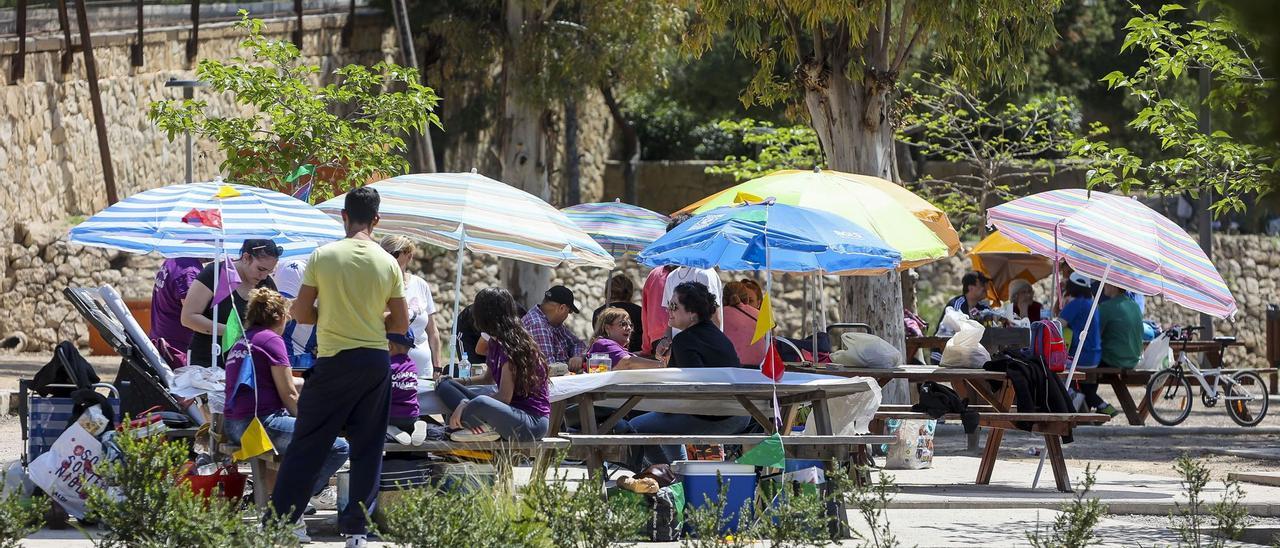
[518, 408]
[403, 425]
[613, 331]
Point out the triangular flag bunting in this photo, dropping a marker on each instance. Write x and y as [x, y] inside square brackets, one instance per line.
[211, 218]
[746, 198]
[769, 453]
[254, 441]
[226, 191]
[233, 333]
[304, 192]
[764, 321]
[773, 366]
[228, 279]
[304, 169]
[245, 379]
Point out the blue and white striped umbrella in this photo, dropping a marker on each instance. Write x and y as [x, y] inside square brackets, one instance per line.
[153, 221]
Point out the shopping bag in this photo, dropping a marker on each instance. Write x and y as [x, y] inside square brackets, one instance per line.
[1157, 355]
[965, 347]
[913, 449]
[69, 469]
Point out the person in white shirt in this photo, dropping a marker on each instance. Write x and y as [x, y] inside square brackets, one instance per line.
[422, 307]
[705, 276]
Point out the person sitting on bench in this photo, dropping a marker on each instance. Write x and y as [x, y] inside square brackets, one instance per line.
[404, 425]
[613, 332]
[698, 344]
[1121, 329]
[277, 396]
[519, 408]
[257, 260]
[1075, 312]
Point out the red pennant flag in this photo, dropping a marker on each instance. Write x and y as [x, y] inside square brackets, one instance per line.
[773, 367]
[203, 217]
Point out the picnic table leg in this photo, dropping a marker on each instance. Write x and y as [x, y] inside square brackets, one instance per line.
[1143, 410]
[1127, 404]
[258, 469]
[1053, 444]
[1275, 382]
[557, 417]
[840, 527]
[991, 451]
[587, 417]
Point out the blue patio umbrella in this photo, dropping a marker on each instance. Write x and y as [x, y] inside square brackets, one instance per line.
[773, 237]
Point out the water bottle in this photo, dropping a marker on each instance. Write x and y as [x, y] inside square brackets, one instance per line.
[464, 367]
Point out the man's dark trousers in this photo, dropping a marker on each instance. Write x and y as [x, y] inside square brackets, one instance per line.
[350, 390]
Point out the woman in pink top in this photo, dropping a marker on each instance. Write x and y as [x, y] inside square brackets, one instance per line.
[613, 330]
[740, 323]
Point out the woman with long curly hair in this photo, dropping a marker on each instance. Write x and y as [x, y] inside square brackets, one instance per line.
[519, 408]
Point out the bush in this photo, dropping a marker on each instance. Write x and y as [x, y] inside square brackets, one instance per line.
[19, 517]
[582, 518]
[1073, 528]
[432, 517]
[146, 503]
[797, 517]
[1227, 518]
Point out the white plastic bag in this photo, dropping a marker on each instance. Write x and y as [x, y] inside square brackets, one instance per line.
[965, 348]
[67, 470]
[866, 350]
[913, 449]
[1157, 356]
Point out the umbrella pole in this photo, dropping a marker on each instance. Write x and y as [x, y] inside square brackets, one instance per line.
[457, 297]
[817, 291]
[1093, 309]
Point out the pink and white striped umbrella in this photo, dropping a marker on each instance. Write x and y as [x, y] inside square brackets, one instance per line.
[1121, 239]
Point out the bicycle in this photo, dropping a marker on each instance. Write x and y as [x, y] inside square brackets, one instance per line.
[1169, 396]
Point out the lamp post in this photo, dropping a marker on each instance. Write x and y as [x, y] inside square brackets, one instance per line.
[188, 91]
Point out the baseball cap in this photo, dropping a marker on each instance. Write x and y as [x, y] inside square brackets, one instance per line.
[402, 339]
[1080, 279]
[561, 294]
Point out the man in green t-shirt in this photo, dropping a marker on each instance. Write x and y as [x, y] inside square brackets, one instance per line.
[1120, 329]
[362, 291]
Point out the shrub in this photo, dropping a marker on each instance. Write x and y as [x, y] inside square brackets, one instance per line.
[1228, 516]
[1073, 528]
[582, 518]
[431, 517]
[19, 517]
[146, 503]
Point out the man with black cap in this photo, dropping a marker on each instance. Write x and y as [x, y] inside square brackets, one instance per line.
[546, 323]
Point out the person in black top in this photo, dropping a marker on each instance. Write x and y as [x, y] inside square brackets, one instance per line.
[621, 291]
[256, 263]
[699, 344]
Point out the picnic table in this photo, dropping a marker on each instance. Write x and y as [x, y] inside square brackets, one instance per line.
[996, 414]
[993, 339]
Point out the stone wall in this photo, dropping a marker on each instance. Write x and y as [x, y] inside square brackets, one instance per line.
[50, 164]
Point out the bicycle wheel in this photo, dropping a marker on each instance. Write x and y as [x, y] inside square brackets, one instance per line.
[1169, 397]
[1250, 411]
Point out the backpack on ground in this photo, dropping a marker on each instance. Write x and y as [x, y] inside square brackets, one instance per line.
[1047, 344]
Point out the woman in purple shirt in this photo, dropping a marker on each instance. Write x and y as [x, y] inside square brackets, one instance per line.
[613, 332]
[518, 409]
[277, 397]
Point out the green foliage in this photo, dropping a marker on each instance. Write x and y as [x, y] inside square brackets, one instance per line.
[869, 41]
[355, 126]
[19, 516]
[1190, 161]
[705, 524]
[668, 130]
[1003, 148]
[871, 500]
[797, 518]
[582, 518]
[791, 147]
[433, 517]
[1227, 517]
[147, 504]
[1073, 528]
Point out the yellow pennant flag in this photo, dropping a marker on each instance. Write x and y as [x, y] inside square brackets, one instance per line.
[226, 191]
[254, 441]
[746, 198]
[764, 322]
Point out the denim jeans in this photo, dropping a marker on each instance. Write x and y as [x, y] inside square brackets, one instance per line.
[279, 426]
[675, 423]
[482, 408]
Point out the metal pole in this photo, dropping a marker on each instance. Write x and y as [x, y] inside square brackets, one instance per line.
[95, 98]
[188, 93]
[1205, 124]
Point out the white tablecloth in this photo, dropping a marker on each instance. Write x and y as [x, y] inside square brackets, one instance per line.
[850, 414]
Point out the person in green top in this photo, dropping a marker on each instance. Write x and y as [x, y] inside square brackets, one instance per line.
[1121, 329]
[360, 291]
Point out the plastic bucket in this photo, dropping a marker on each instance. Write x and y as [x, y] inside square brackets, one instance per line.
[796, 465]
[701, 480]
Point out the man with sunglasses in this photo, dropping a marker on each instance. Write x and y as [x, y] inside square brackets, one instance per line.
[257, 261]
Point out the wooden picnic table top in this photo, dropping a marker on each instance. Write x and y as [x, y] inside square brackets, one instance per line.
[727, 391]
[912, 373]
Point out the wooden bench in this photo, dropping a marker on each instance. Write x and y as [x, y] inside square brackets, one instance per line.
[542, 449]
[1051, 425]
[1121, 379]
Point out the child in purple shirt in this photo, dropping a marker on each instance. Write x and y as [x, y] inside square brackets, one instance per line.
[404, 426]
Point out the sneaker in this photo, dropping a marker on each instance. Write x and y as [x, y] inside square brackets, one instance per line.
[310, 510]
[357, 541]
[300, 531]
[466, 435]
[326, 500]
[1107, 409]
[419, 435]
[400, 436]
[1077, 401]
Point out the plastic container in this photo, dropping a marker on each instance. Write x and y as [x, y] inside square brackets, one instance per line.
[599, 363]
[796, 465]
[701, 480]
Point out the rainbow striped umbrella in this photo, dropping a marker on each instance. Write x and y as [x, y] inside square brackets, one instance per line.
[1120, 241]
[620, 228]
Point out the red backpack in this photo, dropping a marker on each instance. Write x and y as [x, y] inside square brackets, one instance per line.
[1047, 344]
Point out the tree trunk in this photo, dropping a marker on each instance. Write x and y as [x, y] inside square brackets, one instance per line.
[851, 118]
[523, 154]
[630, 147]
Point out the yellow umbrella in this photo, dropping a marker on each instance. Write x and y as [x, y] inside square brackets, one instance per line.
[1004, 260]
[913, 226]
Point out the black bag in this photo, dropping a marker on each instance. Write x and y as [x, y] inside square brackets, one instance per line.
[937, 400]
[1035, 388]
[67, 368]
[663, 524]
